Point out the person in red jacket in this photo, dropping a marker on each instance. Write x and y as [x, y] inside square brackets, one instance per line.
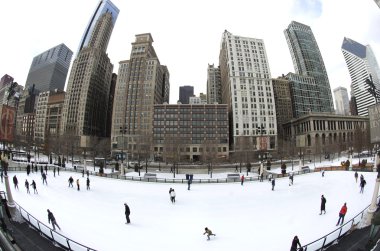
[242, 179]
[342, 213]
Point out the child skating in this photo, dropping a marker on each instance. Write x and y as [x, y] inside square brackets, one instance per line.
[208, 232]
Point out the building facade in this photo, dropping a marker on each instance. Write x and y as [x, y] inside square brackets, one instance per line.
[87, 97]
[49, 69]
[246, 88]
[283, 101]
[185, 92]
[342, 102]
[362, 64]
[308, 61]
[186, 132]
[214, 91]
[142, 82]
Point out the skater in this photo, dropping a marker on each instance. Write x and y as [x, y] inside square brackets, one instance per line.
[270, 177]
[88, 183]
[44, 178]
[46, 169]
[362, 184]
[78, 184]
[261, 176]
[88, 173]
[71, 180]
[361, 177]
[342, 213]
[42, 170]
[273, 184]
[323, 173]
[295, 242]
[290, 179]
[58, 170]
[208, 232]
[51, 219]
[127, 213]
[15, 182]
[2, 175]
[323, 204]
[172, 196]
[54, 171]
[28, 169]
[27, 186]
[188, 184]
[242, 179]
[34, 187]
[356, 176]
[82, 173]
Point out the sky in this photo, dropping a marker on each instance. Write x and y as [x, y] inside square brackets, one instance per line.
[241, 216]
[187, 35]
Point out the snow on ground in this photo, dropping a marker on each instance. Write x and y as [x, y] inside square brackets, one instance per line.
[248, 217]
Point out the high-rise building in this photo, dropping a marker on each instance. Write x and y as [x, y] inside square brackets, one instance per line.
[341, 101]
[185, 92]
[307, 61]
[87, 96]
[6, 80]
[377, 2]
[361, 64]
[213, 85]
[142, 82]
[49, 69]
[247, 89]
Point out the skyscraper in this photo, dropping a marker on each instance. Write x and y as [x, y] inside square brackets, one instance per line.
[213, 85]
[185, 92]
[341, 101]
[49, 69]
[142, 82]
[361, 64]
[307, 61]
[247, 89]
[377, 2]
[86, 101]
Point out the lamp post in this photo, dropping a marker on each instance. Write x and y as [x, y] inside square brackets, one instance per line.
[261, 159]
[351, 150]
[4, 162]
[123, 130]
[300, 155]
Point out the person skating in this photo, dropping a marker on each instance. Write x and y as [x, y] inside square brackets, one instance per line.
[88, 183]
[127, 213]
[188, 184]
[362, 184]
[34, 186]
[172, 196]
[54, 171]
[242, 179]
[295, 243]
[78, 187]
[342, 213]
[323, 173]
[28, 169]
[323, 204]
[71, 180]
[2, 176]
[356, 176]
[51, 219]
[44, 178]
[15, 182]
[209, 233]
[290, 179]
[273, 184]
[27, 186]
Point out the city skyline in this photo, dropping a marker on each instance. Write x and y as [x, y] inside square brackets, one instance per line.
[190, 31]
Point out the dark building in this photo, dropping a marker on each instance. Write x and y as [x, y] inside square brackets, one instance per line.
[185, 92]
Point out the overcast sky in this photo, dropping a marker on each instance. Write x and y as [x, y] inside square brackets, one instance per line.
[187, 34]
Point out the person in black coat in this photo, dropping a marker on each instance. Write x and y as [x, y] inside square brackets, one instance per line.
[323, 204]
[15, 181]
[362, 184]
[295, 242]
[127, 213]
[273, 184]
[51, 219]
[28, 169]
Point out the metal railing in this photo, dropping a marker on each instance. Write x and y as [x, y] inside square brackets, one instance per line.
[56, 238]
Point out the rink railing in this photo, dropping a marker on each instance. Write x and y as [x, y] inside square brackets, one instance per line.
[329, 238]
[57, 238]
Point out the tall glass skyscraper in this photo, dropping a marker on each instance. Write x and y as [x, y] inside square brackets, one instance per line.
[49, 69]
[307, 61]
[362, 64]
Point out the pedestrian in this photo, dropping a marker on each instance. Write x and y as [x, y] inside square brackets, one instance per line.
[188, 184]
[58, 170]
[15, 182]
[361, 177]
[323, 204]
[362, 184]
[46, 169]
[34, 186]
[356, 176]
[323, 173]
[78, 184]
[209, 233]
[295, 242]
[242, 179]
[273, 184]
[261, 176]
[342, 213]
[51, 219]
[42, 170]
[44, 178]
[127, 213]
[88, 183]
[27, 186]
[54, 171]
[71, 180]
[172, 196]
[28, 169]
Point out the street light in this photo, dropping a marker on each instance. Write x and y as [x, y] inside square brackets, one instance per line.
[351, 150]
[300, 155]
[4, 164]
[123, 130]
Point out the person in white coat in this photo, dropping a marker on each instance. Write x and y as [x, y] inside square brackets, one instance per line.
[172, 196]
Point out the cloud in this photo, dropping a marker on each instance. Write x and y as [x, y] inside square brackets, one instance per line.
[307, 8]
